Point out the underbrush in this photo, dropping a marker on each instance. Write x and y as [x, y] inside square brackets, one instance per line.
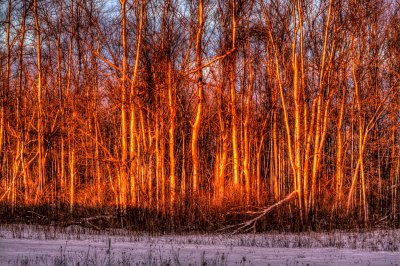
[187, 217]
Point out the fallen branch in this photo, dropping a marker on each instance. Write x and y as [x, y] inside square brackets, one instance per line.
[105, 217]
[88, 222]
[38, 215]
[250, 224]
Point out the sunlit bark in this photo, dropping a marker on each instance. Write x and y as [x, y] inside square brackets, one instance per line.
[232, 90]
[246, 140]
[122, 183]
[200, 99]
[132, 120]
[40, 138]
[6, 85]
[172, 114]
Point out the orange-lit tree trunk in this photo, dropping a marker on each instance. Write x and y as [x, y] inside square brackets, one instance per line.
[222, 149]
[362, 138]
[200, 99]
[246, 139]
[21, 128]
[394, 159]
[68, 95]
[171, 131]
[321, 114]
[232, 84]
[71, 174]
[122, 182]
[132, 121]
[275, 173]
[40, 139]
[60, 186]
[297, 116]
[5, 87]
[339, 153]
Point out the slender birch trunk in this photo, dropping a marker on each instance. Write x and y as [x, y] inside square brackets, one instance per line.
[40, 145]
[171, 131]
[132, 121]
[232, 84]
[122, 183]
[320, 123]
[71, 175]
[221, 152]
[339, 153]
[5, 90]
[200, 99]
[246, 140]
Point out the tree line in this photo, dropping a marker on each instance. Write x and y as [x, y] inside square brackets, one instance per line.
[163, 105]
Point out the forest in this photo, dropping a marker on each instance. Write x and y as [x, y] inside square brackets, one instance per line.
[182, 115]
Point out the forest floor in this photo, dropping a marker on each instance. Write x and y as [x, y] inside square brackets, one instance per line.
[75, 245]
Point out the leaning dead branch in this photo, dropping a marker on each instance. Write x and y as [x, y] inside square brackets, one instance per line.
[249, 225]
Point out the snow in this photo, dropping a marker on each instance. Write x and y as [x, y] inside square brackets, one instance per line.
[33, 245]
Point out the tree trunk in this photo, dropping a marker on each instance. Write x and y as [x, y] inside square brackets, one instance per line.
[200, 99]
[122, 183]
[40, 139]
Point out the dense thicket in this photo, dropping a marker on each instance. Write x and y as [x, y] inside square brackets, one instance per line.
[192, 108]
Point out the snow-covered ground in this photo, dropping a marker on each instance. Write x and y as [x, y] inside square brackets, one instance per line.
[34, 245]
